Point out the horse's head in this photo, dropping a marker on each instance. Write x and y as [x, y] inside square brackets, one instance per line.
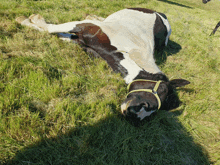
[146, 97]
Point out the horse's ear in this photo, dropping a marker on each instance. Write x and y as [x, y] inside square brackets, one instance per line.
[178, 83]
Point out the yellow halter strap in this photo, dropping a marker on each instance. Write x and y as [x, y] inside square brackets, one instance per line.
[153, 91]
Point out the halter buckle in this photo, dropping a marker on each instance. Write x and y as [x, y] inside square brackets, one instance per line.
[154, 92]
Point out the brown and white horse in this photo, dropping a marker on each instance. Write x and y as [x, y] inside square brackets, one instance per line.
[127, 41]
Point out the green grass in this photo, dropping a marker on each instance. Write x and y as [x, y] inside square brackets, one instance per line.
[58, 106]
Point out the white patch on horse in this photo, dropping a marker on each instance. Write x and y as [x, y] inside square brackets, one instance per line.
[131, 32]
[142, 113]
[167, 24]
[132, 68]
[144, 60]
[129, 35]
[66, 27]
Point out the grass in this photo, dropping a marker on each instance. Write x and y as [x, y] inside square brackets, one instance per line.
[58, 106]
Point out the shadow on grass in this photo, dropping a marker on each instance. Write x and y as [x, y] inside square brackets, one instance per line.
[171, 49]
[113, 141]
[175, 3]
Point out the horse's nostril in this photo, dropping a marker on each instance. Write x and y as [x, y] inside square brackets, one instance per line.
[131, 111]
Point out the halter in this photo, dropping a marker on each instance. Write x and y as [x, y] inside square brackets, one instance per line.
[153, 91]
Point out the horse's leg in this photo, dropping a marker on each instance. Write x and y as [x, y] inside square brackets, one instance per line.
[217, 26]
[60, 28]
[27, 22]
[37, 22]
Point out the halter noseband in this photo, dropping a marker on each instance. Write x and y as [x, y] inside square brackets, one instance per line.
[153, 91]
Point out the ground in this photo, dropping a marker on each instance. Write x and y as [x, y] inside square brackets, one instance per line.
[58, 106]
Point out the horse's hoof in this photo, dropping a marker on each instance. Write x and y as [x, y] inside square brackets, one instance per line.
[36, 17]
[21, 19]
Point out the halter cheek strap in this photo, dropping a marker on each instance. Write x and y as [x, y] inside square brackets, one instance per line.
[153, 91]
